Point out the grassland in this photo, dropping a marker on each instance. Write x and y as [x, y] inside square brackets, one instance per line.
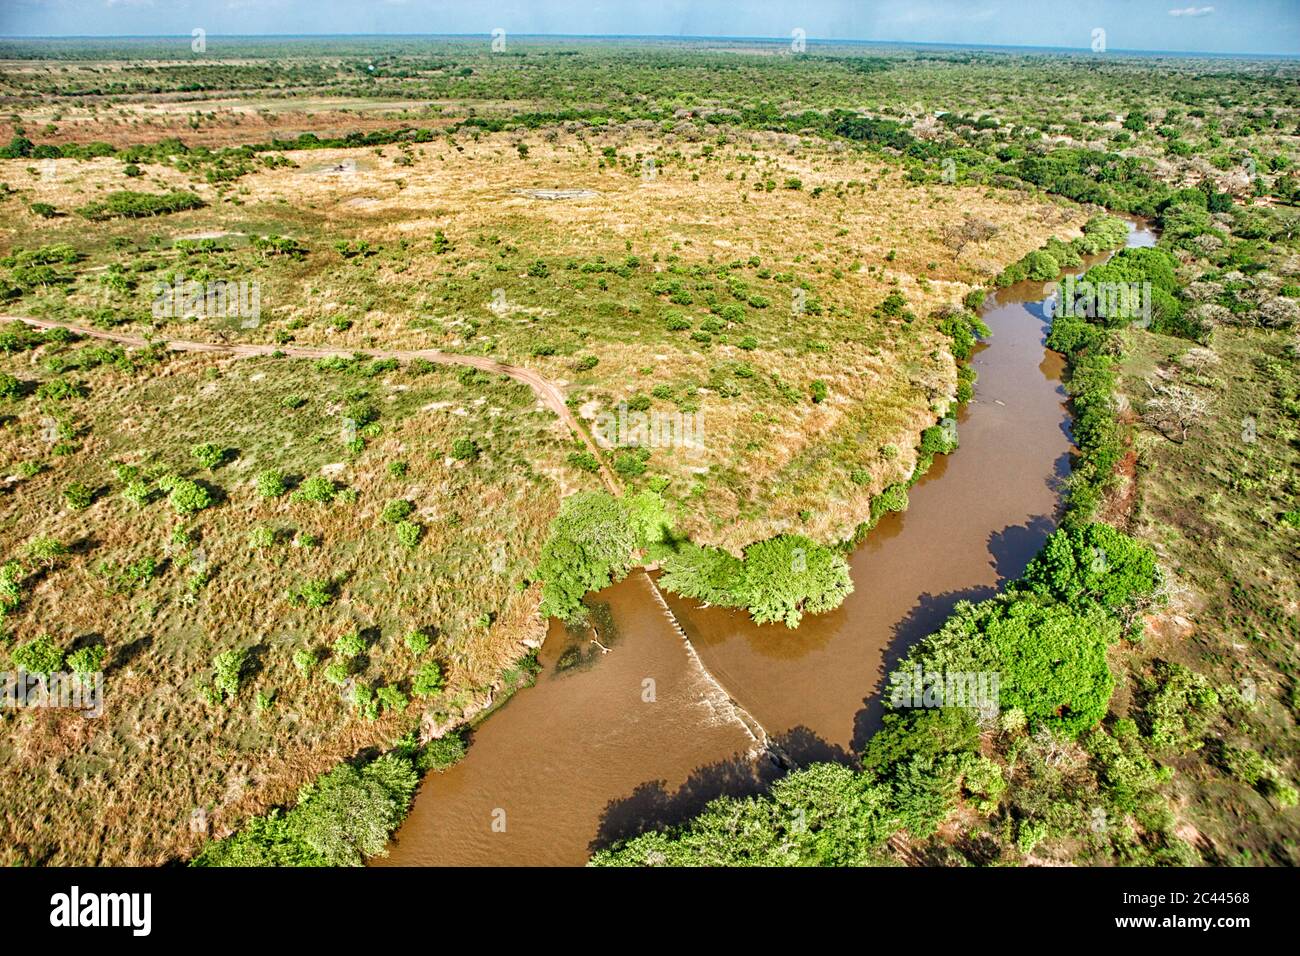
[765, 239]
[680, 277]
[129, 788]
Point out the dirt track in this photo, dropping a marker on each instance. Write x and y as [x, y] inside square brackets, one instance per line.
[546, 390]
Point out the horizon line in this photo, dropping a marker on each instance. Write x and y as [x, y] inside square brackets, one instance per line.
[659, 36]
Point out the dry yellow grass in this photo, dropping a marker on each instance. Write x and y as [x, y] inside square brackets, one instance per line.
[123, 788]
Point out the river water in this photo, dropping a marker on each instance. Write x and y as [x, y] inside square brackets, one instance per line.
[608, 744]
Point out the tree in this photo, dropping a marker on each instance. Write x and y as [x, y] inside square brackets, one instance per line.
[1093, 563]
[591, 545]
[347, 814]
[1175, 409]
[972, 229]
[788, 575]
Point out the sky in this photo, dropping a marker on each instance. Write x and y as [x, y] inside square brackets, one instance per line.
[1210, 26]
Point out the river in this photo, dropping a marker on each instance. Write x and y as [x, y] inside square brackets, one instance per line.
[607, 744]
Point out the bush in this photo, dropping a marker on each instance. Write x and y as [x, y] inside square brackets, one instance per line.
[409, 533]
[584, 461]
[38, 656]
[315, 593]
[125, 203]
[349, 645]
[271, 484]
[442, 752]
[137, 492]
[417, 642]
[188, 497]
[463, 449]
[78, 496]
[316, 489]
[208, 455]
[227, 668]
[1180, 705]
[87, 660]
[304, 661]
[397, 510]
[939, 440]
[1041, 266]
[428, 680]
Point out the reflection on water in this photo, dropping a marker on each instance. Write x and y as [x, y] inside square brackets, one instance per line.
[582, 759]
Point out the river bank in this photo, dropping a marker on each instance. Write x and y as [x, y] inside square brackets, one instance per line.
[584, 758]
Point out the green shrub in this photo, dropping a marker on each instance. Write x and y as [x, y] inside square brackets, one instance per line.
[125, 203]
[314, 593]
[38, 656]
[442, 752]
[271, 483]
[208, 455]
[349, 645]
[227, 669]
[428, 680]
[409, 533]
[305, 661]
[188, 497]
[78, 496]
[87, 660]
[1041, 266]
[417, 642]
[316, 489]
[464, 449]
[397, 510]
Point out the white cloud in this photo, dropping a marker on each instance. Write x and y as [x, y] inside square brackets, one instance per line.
[1192, 12]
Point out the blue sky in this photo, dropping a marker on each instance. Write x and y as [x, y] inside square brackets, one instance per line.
[1217, 26]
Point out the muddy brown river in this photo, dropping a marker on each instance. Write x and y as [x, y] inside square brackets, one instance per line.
[606, 745]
